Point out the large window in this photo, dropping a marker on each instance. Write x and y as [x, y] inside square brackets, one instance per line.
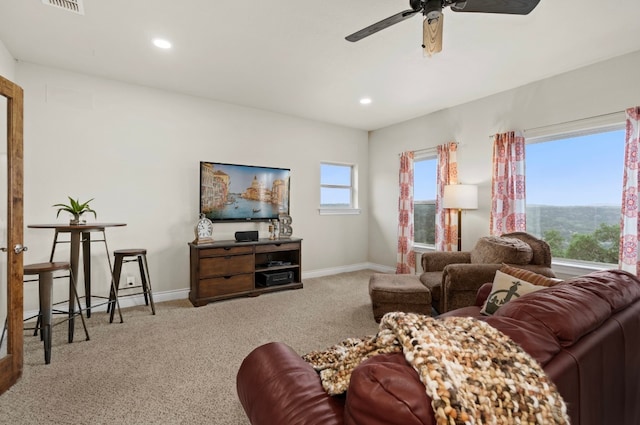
[574, 192]
[337, 187]
[424, 200]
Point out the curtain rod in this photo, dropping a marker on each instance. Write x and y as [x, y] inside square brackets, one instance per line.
[433, 149]
[542, 127]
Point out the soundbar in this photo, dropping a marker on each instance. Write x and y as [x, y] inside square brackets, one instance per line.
[249, 236]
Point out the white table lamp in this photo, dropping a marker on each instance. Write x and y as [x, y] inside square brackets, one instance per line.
[460, 197]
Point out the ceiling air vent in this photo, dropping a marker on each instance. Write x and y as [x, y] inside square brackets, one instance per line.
[74, 6]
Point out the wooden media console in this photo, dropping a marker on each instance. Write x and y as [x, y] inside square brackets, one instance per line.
[230, 269]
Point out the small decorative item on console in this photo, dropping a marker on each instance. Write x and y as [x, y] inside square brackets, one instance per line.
[204, 230]
[285, 225]
[274, 230]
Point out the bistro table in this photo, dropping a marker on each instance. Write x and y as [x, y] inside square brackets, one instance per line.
[81, 233]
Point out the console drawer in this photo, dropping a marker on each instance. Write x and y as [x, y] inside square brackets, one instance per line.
[273, 247]
[224, 251]
[227, 265]
[225, 285]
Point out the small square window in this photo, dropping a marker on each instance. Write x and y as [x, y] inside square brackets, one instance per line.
[337, 188]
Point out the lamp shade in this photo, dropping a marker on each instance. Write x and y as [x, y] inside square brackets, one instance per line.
[460, 197]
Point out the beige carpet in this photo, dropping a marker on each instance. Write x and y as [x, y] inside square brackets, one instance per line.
[179, 367]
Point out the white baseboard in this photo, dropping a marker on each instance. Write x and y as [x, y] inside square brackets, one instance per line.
[345, 269]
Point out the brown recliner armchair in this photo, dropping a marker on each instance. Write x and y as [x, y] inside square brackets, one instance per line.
[455, 277]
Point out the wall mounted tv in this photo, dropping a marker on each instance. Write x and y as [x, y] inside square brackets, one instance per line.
[234, 192]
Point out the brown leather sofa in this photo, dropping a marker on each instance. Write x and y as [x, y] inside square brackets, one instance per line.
[585, 332]
[454, 277]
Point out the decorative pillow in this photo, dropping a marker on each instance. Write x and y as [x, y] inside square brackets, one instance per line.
[493, 249]
[506, 288]
[529, 276]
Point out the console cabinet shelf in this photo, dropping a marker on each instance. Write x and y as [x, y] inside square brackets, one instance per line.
[230, 269]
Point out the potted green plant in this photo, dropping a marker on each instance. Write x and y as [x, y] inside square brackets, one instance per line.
[76, 209]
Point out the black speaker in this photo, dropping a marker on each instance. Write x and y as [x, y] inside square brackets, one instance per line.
[249, 236]
[274, 278]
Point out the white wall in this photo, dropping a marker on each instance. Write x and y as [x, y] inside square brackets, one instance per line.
[7, 64]
[136, 150]
[602, 88]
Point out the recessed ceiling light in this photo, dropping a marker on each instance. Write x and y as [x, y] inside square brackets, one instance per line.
[163, 44]
[365, 101]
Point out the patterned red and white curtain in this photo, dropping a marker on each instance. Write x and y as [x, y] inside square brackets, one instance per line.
[508, 204]
[629, 233]
[446, 219]
[406, 262]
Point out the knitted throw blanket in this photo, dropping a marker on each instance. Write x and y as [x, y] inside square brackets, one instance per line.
[473, 373]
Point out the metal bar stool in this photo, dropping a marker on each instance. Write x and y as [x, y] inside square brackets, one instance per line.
[47, 307]
[139, 255]
[86, 255]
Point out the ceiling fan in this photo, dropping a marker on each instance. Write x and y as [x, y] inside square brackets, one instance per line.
[432, 11]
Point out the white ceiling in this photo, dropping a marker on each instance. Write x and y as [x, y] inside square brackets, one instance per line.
[290, 56]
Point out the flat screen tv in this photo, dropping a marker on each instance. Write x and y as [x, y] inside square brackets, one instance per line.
[234, 192]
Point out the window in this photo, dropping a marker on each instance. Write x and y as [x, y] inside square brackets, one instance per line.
[424, 200]
[337, 188]
[574, 191]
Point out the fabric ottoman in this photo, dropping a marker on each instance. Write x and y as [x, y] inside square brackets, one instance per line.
[398, 292]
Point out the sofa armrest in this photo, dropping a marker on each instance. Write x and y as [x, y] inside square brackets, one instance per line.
[437, 261]
[460, 283]
[276, 386]
[386, 390]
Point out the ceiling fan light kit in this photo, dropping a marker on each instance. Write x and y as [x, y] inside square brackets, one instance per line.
[433, 17]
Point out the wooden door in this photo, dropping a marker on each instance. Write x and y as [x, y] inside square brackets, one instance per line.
[11, 232]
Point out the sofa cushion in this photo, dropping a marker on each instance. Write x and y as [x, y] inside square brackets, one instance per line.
[540, 248]
[504, 289]
[529, 276]
[496, 250]
[578, 312]
[616, 287]
[538, 341]
[582, 304]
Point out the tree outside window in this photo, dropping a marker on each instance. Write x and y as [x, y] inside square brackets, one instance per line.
[424, 200]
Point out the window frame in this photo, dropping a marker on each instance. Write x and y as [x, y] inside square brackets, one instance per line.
[352, 209]
[584, 127]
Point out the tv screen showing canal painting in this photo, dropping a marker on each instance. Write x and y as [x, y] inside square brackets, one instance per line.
[234, 192]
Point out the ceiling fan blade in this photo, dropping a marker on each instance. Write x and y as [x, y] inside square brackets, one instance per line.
[432, 35]
[515, 7]
[391, 20]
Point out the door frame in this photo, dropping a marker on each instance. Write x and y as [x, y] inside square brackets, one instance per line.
[11, 365]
